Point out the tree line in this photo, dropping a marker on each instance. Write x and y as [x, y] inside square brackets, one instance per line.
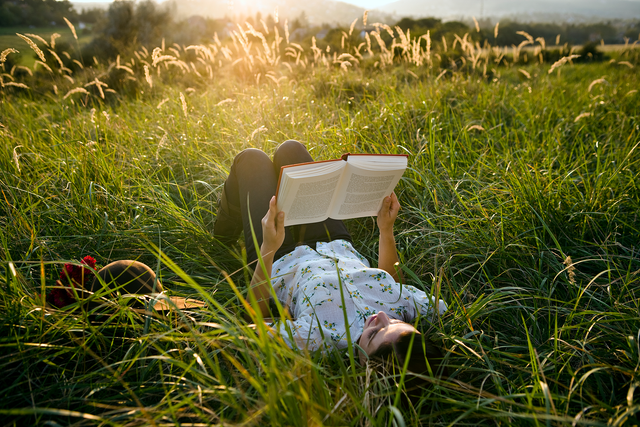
[128, 23]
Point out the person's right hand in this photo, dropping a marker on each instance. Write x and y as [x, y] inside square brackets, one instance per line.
[388, 213]
[272, 229]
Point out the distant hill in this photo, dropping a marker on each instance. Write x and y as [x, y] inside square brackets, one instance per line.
[331, 11]
[315, 12]
[548, 10]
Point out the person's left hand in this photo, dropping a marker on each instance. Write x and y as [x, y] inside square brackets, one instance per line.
[388, 213]
[272, 229]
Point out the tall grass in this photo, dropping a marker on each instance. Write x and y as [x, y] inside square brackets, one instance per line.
[517, 207]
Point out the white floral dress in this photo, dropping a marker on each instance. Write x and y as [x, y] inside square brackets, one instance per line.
[309, 280]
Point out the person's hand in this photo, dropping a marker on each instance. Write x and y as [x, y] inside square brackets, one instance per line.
[272, 229]
[388, 213]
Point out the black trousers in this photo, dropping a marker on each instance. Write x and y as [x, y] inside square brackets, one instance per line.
[252, 182]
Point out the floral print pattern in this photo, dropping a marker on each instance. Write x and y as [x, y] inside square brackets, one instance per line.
[308, 281]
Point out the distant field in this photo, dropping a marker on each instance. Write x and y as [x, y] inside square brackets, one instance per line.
[8, 38]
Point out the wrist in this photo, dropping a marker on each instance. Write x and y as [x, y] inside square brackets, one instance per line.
[386, 232]
[267, 252]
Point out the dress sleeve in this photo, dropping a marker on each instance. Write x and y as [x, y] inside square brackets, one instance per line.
[421, 302]
[299, 333]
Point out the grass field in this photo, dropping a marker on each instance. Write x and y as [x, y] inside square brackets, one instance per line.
[520, 206]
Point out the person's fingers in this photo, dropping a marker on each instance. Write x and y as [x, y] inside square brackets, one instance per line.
[386, 204]
[269, 218]
[280, 223]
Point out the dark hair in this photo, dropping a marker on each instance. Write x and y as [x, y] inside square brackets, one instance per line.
[424, 354]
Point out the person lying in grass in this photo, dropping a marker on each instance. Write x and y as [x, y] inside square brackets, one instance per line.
[329, 289]
[330, 292]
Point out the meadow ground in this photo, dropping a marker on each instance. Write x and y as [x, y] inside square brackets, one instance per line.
[520, 208]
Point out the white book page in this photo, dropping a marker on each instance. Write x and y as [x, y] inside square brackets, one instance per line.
[363, 191]
[307, 199]
[378, 162]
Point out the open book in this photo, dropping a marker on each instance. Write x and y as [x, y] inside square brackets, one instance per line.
[351, 187]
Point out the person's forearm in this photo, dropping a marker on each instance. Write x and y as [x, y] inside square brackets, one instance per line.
[388, 255]
[260, 285]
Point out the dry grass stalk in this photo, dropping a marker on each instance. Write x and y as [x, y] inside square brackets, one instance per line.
[33, 46]
[123, 67]
[627, 63]
[57, 58]
[23, 68]
[557, 39]
[7, 52]
[161, 103]
[185, 68]
[475, 127]
[286, 30]
[562, 61]
[276, 41]
[527, 35]
[73, 29]
[475, 21]
[157, 57]
[581, 116]
[147, 76]
[316, 51]
[183, 101]
[596, 82]
[54, 36]
[525, 73]
[37, 37]
[225, 101]
[353, 25]
[258, 130]
[78, 63]
[428, 38]
[16, 157]
[368, 40]
[542, 41]
[14, 84]
[495, 30]
[99, 85]
[365, 15]
[571, 270]
[163, 140]
[36, 63]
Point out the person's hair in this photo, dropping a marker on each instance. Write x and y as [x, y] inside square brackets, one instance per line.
[424, 354]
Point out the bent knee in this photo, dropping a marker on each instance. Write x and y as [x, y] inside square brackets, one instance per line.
[251, 155]
[291, 145]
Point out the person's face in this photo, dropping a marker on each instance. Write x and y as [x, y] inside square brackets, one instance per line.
[379, 330]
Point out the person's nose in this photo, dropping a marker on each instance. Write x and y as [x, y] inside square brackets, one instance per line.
[382, 319]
